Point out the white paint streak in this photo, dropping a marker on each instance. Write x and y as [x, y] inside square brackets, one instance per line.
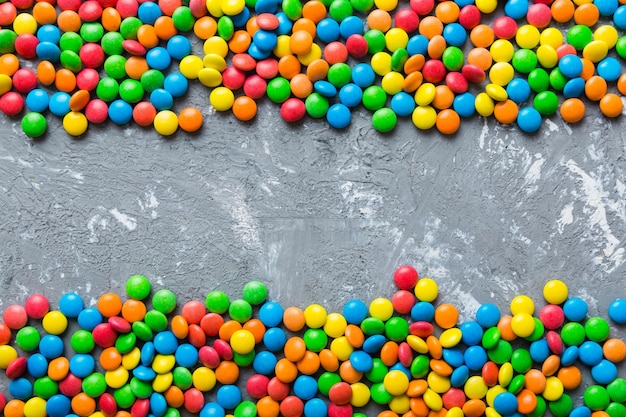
[483, 134]
[534, 172]
[356, 195]
[96, 222]
[129, 222]
[567, 217]
[246, 226]
[552, 127]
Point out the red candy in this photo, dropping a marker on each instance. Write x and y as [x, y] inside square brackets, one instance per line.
[552, 316]
[555, 343]
[144, 113]
[223, 349]
[15, 316]
[489, 372]
[277, 389]
[24, 80]
[421, 328]
[504, 27]
[5, 334]
[357, 46]
[405, 354]
[335, 410]
[104, 335]
[128, 8]
[244, 62]
[422, 7]
[133, 47]
[141, 407]
[196, 335]
[71, 385]
[233, 78]
[407, 20]
[473, 73]
[405, 277]
[87, 79]
[26, 45]
[433, 71]
[17, 368]
[291, 406]
[469, 16]
[7, 13]
[3, 401]
[257, 386]
[335, 52]
[292, 110]
[198, 8]
[539, 15]
[37, 306]
[267, 68]
[194, 400]
[69, 4]
[255, 86]
[340, 393]
[565, 49]
[23, 4]
[90, 11]
[454, 397]
[403, 301]
[267, 21]
[11, 103]
[211, 324]
[208, 357]
[457, 82]
[119, 324]
[107, 404]
[97, 111]
[193, 312]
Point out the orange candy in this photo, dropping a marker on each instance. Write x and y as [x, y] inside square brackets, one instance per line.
[436, 46]
[448, 121]
[379, 20]
[306, 25]
[65, 80]
[190, 120]
[257, 328]
[293, 318]
[205, 27]
[506, 331]
[570, 376]
[480, 57]
[614, 350]
[447, 11]
[417, 388]
[317, 70]
[110, 359]
[354, 336]
[164, 28]
[227, 372]
[314, 11]
[562, 10]
[146, 35]
[109, 304]
[286, 371]
[111, 19]
[474, 408]
[46, 73]
[434, 347]
[58, 368]
[551, 365]
[228, 328]
[414, 63]
[348, 373]
[444, 97]
[621, 84]
[79, 100]
[136, 66]
[595, 88]
[588, 69]
[240, 42]
[419, 407]
[289, 66]
[300, 42]
[328, 360]
[412, 82]
[301, 86]
[9, 63]
[482, 36]
[294, 349]
[69, 21]
[244, 108]
[572, 110]
[252, 26]
[14, 408]
[267, 407]
[611, 105]
[309, 364]
[586, 14]
[430, 26]
[535, 381]
[174, 396]
[526, 401]
[44, 13]
[179, 326]
[133, 310]
[389, 353]
[83, 405]
[506, 111]
[440, 367]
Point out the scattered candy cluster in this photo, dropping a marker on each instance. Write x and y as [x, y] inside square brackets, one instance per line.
[133, 358]
[438, 63]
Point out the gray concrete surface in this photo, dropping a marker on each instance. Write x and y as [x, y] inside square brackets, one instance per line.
[319, 215]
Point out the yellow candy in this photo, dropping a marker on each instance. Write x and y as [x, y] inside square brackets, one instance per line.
[438, 383]
[496, 92]
[315, 316]
[400, 404]
[387, 5]
[554, 389]
[341, 348]
[163, 363]
[360, 394]
[131, 359]
[282, 46]
[475, 387]
[501, 73]
[522, 304]
[6, 83]
[75, 123]
[493, 392]
[166, 122]
[595, 51]
[25, 24]
[424, 118]
[210, 77]
[552, 37]
[505, 374]
[35, 407]
[215, 8]
[527, 36]
[222, 98]
[381, 308]
[312, 55]
[547, 56]
[607, 34]
[487, 6]
[484, 104]
[425, 95]
[116, 378]
[381, 63]
[203, 379]
[392, 83]
[555, 291]
[580, 2]
[233, 7]
[335, 325]
[214, 61]
[242, 341]
[54, 322]
[396, 38]
[7, 355]
[450, 337]
[426, 288]
[216, 45]
[162, 382]
[417, 344]
[491, 412]
[523, 324]
[396, 382]
[433, 400]
[501, 50]
[455, 412]
[190, 66]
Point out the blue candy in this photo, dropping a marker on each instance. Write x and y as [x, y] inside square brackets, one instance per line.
[71, 304]
[518, 90]
[161, 99]
[355, 311]
[363, 75]
[37, 100]
[21, 388]
[186, 355]
[51, 346]
[617, 311]
[271, 314]
[575, 309]
[338, 115]
[82, 365]
[89, 318]
[574, 88]
[351, 25]
[374, 343]
[178, 47]
[350, 95]
[590, 353]
[328, 30]
[475, 357]
[59, 103]
[58, 406]
[505, 403]
[37, 365]
[148, 352]
[305, 387]
[264, 363]
[361, 361]
[228, 396]
[463, 104]
[48, 51]
[158, 58]
[539, 350]
[120, 112]
[604, 372]
[212, 409]
[529, 120]
[274, 339]
[471, 333]
[158, 404]
[459, 376]
[149, 12]
[144, 373]
[423, 311]
[176, 84]
[315, 407]
[454, 34]
[402, 104]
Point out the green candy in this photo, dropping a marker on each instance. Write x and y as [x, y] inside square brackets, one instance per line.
[617, 390]
[340, 9]
[184, 20]
[71, 61]
[540, 409]
[362, 6]
[557, 79]
[379, 394]
[217, 302]
[255, 292]
[225, 28]
[396, 328]
[597, 329]
[7, 41]
[521, 360]
[107, 89]
[245, 409]
[573, 334]
[143, 331]
[240, 310]
[326, 381]
[164, 301]
[420, 366]
[27, 338]
[115, 67]
[620, 47]
[616, 409]
[538, 332]
[316, 105]
[293, 9]
[546, 103]
[129, 27]
[491, 337]
[94, 385]
[453, 58]
[398, 59]
[579, 36]
[524, 60]
[156, 321]
[182, 377]
[92, 32]
[125, 342]
[138, 287]
[562, 407]
[131, 91]
[151, 80]
[596, 398]
[45, 387]
[516, 385]
[374, 98]
[244, 360]
[378, 371]
[372, 326]
[82, 341]
[34, 124]
[500, 353]
[315, 339]
[71, 41]
[278, 90]
[339, 74]
[539, 80]
[384, 120]
[375, 41]
[172, 412]
[112, 43]
[124, 396]
[140, 389]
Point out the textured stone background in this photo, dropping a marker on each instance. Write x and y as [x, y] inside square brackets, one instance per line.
[319, 215]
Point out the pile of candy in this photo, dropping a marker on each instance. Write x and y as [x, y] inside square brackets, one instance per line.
[127, 60]
[132, 358]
